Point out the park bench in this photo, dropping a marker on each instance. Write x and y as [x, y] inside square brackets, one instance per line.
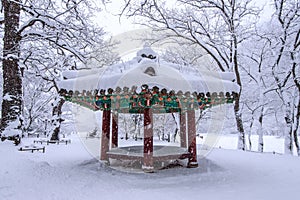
[41, 141]
[64, 141]
[32, 148]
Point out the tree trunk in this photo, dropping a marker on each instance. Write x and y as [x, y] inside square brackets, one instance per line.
[56, 118]
[260, 132]
[250, 133]
[12, 81]
[239, 123]
[297, 119]
[288, 143]
[295, 134]
[238, 114]
[297, 83]
[261, 115]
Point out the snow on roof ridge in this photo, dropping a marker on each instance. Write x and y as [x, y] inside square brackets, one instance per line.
[138, 72]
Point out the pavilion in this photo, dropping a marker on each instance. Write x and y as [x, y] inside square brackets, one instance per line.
[148, 86]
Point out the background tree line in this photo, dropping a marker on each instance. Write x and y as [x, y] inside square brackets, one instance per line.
[263, 54]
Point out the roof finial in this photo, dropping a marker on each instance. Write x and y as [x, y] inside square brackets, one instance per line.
[147, 52]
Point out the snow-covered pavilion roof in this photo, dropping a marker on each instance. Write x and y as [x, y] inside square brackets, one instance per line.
[152, 71]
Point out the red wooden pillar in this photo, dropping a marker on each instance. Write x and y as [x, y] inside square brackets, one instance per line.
[148, 140]
[192, 139]
[105, 134]
[182, 119]
[114, 139]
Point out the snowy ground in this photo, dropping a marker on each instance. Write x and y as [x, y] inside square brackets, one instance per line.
[70, 172]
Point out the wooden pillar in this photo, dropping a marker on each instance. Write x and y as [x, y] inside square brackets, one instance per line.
[105, 134]
[182, 118]
[192, 139]
[114, 139]
[148, 140]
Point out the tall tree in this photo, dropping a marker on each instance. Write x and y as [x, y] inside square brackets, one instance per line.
[12, 80]
[260, 100]
[217, 26]
[285, 43]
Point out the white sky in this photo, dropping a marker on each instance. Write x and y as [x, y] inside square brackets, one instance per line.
[116, 27]
[110, 20]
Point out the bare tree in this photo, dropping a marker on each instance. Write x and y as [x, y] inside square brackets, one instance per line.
[36, 105]
[45, 37]
[218, 27]
[256, 55]
[285, 43]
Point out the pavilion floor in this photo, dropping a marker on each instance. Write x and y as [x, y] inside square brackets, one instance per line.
[134, 155]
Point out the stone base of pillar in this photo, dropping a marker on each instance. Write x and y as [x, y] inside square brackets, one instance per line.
[192, 165]
[148, 169]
